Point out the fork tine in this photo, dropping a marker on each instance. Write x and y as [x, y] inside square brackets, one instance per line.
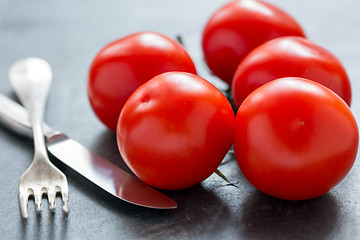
[38, 199]
[51, 198]
[65, 198]
[24, 195]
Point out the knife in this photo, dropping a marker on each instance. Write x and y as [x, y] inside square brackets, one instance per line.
[101, 172]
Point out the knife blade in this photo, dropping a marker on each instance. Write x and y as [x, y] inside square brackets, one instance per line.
[99, 171]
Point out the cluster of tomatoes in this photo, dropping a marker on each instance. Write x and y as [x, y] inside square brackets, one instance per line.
[294, 135]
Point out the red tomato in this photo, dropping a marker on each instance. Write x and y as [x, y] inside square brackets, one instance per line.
[239, 27]
[290, 57]
[174, 130]
[123, 65]
[295, 139]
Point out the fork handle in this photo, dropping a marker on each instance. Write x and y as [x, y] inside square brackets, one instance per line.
[35, 101]
[39, 139]
[33, 96]
[33, 92]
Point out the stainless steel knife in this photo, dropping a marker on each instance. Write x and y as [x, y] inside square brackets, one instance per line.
[101, 172]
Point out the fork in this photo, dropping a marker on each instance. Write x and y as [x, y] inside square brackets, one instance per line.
[31, 79]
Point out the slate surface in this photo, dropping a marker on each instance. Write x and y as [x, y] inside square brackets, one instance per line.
[68, 34]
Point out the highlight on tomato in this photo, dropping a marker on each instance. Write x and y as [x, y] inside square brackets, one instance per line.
[290, 57]
[295, 139]
[237, 28]
[175, 130]
[123, 65]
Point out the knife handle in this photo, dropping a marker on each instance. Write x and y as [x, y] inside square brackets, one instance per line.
[15, 117]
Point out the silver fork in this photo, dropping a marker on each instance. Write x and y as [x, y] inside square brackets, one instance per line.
[31, 79]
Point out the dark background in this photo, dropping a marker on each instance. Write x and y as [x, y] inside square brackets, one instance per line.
[68, 34]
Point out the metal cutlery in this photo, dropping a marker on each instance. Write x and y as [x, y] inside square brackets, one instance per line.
[31, 79]
[96, 169]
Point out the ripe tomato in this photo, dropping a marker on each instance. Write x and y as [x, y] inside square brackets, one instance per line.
[123, 65]
[239, 27]
[290, 57]
[295, 139]
[174, 130]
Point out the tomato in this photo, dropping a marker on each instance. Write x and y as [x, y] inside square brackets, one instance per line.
[295, 139]
[290, 57]
[123, 65]
[174, 130]
[239, 27]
